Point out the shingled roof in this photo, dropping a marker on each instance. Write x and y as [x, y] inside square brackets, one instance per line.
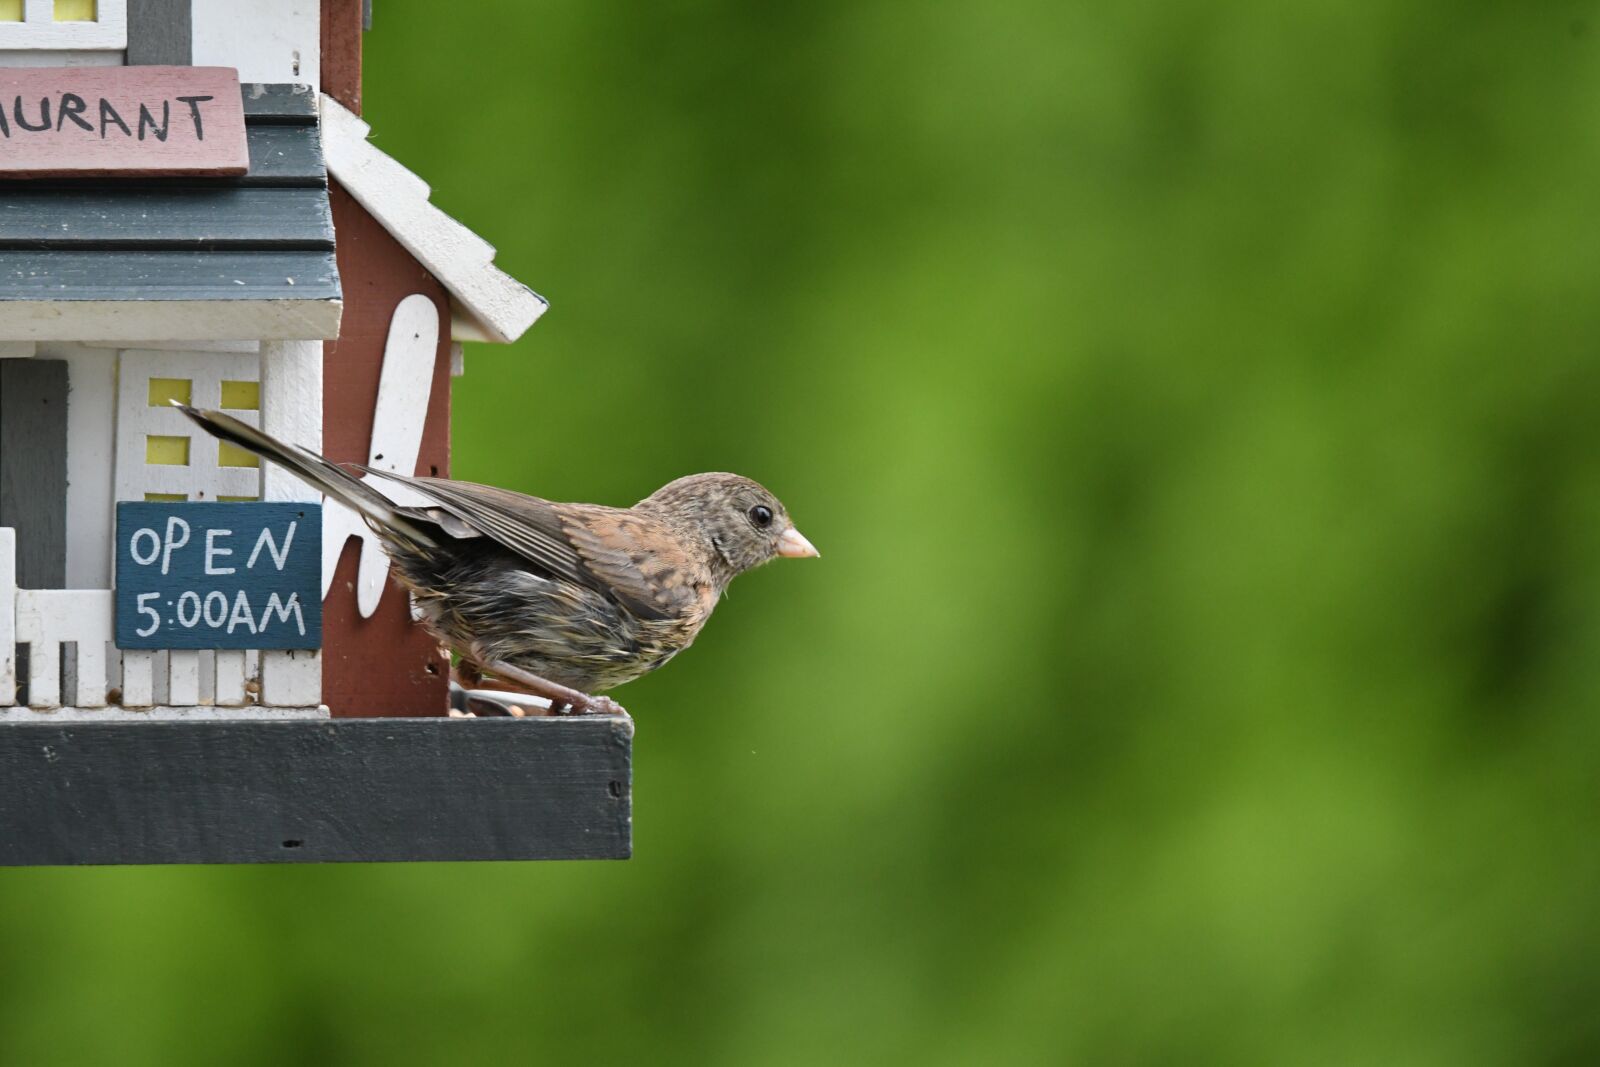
[250, 257]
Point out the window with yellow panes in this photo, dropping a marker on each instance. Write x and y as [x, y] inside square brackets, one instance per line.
[59, 11]
[239, 395]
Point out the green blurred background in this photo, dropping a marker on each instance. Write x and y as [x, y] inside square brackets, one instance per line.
[1196, 406]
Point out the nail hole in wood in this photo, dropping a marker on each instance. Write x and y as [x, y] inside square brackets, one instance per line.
[615, 789]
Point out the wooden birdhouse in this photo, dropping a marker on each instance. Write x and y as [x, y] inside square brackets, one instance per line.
[200, 659]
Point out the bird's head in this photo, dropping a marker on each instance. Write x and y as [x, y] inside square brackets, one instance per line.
[741, 523]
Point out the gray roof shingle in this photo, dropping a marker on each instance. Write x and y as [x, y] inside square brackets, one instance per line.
[264, 237]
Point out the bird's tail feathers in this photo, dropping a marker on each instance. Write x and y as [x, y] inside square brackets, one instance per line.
[305, 464]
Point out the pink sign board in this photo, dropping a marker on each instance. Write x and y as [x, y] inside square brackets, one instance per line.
[138, 121]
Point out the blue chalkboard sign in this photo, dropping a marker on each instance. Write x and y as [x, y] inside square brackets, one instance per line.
[219, 575]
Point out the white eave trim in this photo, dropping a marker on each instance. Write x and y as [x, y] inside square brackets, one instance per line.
[489, 304]
[124, 321]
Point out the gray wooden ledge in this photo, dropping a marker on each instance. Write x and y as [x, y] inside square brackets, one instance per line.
[329, 790]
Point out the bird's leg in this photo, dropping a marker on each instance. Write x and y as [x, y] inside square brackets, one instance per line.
[558, 695]
[468, 701]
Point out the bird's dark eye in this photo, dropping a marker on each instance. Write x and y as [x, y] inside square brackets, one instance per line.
[761, 515]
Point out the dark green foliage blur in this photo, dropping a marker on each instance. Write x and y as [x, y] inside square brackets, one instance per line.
[1197, 407]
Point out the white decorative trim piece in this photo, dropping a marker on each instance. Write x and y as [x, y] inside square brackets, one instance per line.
[39, 31]
[494, 306]
[291, 679]
[89, 674]
[159, 713]
[183, 676]
[291, 409]
[267, 40]
[229, 686]
[17, 349]
[55, 57]
[404, 385]
[8, 615]
[251, 346]
[138, 678]
[48, 618]
[183, 320]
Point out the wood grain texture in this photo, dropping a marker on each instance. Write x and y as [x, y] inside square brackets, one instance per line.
[342, 24]
[283, 792]
[228, 686]
[126, 318]
[282, 154]
[127, 713]
[19, 57]
[8, 615]
[282, 141]
[230, 218]
[91, 462]
[183, 676]
[153, 257]
[138, 679]
[160, 33]
[383, 665]
[265, 40]
[50, 618]
[299, 276]
[89, 121]
[33, 467]
[291, 410]
[207, 345]
[284, 103]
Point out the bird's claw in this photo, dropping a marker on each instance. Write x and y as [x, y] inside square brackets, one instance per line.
[597, 705]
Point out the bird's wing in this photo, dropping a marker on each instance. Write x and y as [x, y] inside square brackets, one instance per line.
[614, 552]
[646, 567]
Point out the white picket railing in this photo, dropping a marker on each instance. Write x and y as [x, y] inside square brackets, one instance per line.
[50, 618]
[81, 620]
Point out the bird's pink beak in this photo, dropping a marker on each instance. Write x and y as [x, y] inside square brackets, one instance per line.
[794, 544]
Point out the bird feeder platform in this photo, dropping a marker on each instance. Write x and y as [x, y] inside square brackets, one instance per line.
[199, 215]
[316, 790]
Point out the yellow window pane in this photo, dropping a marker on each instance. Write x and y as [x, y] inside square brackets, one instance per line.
[238, 499]
[234, 456]
[10, 10]
[75, 11]
[241, 396]
[166, 498]
[165, 389]
[166, 451]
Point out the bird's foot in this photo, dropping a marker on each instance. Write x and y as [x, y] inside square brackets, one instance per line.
[563, 700]
[592, 705]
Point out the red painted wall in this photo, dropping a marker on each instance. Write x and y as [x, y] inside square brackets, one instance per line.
[385, 665]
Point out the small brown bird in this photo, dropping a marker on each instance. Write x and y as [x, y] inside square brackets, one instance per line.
[564, 600]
